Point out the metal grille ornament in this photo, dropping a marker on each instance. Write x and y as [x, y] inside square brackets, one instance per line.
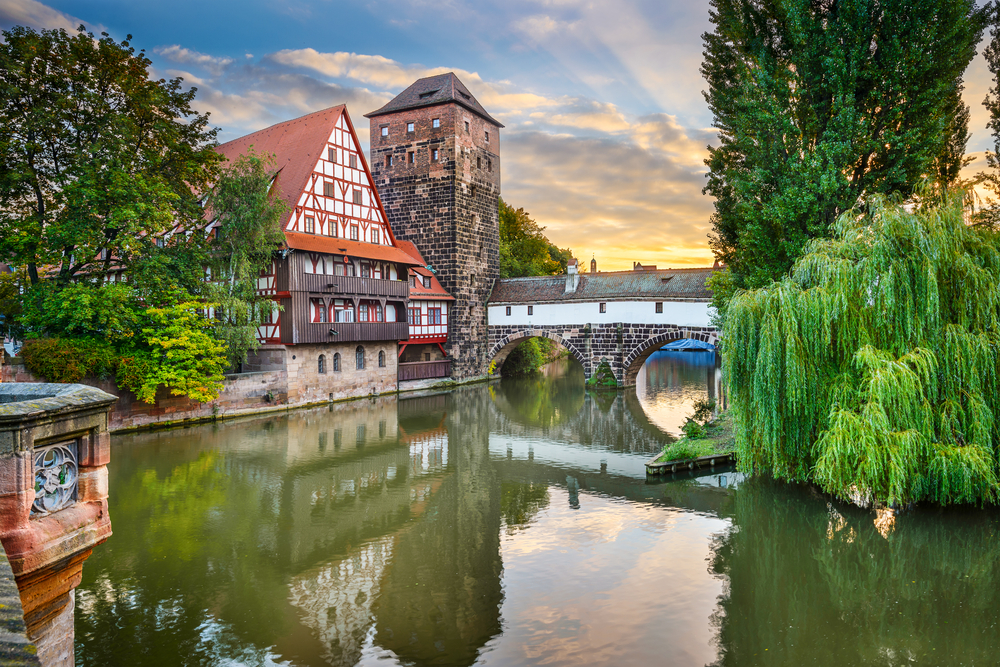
[55, 478]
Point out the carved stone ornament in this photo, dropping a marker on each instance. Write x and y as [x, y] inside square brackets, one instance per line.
[55, 478]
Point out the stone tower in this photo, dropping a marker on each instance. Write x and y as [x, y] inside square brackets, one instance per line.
[435, 159]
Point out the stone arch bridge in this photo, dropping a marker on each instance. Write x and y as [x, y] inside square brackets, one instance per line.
[619, 317]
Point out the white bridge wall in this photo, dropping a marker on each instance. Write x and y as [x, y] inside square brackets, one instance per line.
[680, 313]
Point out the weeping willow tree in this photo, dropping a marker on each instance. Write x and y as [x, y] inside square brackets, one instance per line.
[871, 370]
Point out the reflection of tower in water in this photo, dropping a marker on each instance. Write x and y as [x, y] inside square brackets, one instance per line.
[441, 596]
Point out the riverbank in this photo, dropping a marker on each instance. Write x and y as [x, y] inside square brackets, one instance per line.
[716, 446]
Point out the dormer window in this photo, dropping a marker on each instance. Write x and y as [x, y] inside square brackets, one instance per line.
[427, 282]
[466, 96]
[429, 93]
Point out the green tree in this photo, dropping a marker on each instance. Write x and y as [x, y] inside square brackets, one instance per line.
[821, 104]
[97, 158]
[872, 369]
[249, 223]
[990, 213]
[524, 249]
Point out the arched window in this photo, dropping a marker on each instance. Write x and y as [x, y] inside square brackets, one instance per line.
[381, 359]
[359, 358]
[336, 362]
[322, 364]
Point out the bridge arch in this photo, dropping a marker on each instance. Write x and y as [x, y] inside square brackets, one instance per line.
[634, 361]
[507, 343]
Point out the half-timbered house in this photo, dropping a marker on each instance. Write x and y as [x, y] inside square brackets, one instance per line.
[340, 277]
[423, 356]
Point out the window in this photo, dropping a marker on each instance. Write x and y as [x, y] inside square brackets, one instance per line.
[350, 269]
[331, 155]
[508, 311]
[318, 310]
[413, 316]
[310, 225]
[436, 122]
[413, 281]
[363, 312]
[409, 157]
[375, 235]
[354, 234]
[479, 163]
[531, 310]
[388, 160]
[427, 282]
[366, 271]
[336, 363]
[466, 127]
[338, 269]
[381, 364]
[385, 130]
[322, 365]
[331, 227]
[487, 136]
[359, 358]
[659, 306]
[433, 316]
[357, 196]
[427, 356]
[434, 155]
[489, 165]
[344, 313]
[354, 161]
[159, 244]
[409, 127]
[327, 188]
[604, 307]
[378, 314]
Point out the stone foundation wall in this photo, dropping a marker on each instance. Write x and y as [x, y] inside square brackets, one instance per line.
[288, 377]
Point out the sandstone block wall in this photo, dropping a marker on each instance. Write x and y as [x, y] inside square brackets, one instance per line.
[449, 209]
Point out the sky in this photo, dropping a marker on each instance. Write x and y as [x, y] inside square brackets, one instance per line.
[606, 126]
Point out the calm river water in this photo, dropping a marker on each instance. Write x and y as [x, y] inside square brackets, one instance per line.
[512, 524]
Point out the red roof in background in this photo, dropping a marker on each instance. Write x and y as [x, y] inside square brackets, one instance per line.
[296, 144]
[418, 290]
[338, 246]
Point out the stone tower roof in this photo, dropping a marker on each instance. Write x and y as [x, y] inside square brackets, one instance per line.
[434, 90]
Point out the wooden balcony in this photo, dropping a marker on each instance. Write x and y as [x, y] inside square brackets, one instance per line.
[424, 370]
[353, 285]
[349, 332]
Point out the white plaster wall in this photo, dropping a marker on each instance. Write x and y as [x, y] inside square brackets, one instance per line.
[682, 313]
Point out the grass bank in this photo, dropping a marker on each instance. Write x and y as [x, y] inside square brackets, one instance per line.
[718, 439]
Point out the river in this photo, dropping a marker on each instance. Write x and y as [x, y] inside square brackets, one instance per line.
[512, 524]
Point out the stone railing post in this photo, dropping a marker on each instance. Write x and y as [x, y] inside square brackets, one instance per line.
[54, 451]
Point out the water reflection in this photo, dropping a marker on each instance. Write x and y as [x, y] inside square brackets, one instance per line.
[494, 526]
[671, 381]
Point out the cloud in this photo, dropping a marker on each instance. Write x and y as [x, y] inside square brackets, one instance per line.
[611, 198]
[179, 54]
[36, 15]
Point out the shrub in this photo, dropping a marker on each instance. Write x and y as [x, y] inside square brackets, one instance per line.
[69, 360]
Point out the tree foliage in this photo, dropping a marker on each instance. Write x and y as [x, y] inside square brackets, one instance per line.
[524, 248]
[872, 370]
[990, 213]
[249, 223]
[96, 156]
[822, 103]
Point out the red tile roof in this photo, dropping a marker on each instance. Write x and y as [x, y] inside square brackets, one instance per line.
[645, 285]
[296, 144]
[436, 290]
[338, 246]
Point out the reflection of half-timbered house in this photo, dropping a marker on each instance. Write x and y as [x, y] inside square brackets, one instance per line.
[423, 355]
[341, 279]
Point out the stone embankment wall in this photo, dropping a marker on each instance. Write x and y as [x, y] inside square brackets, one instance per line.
[15, 647]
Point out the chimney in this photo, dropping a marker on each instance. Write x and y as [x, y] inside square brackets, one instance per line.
[593, 265]
[572, 275]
